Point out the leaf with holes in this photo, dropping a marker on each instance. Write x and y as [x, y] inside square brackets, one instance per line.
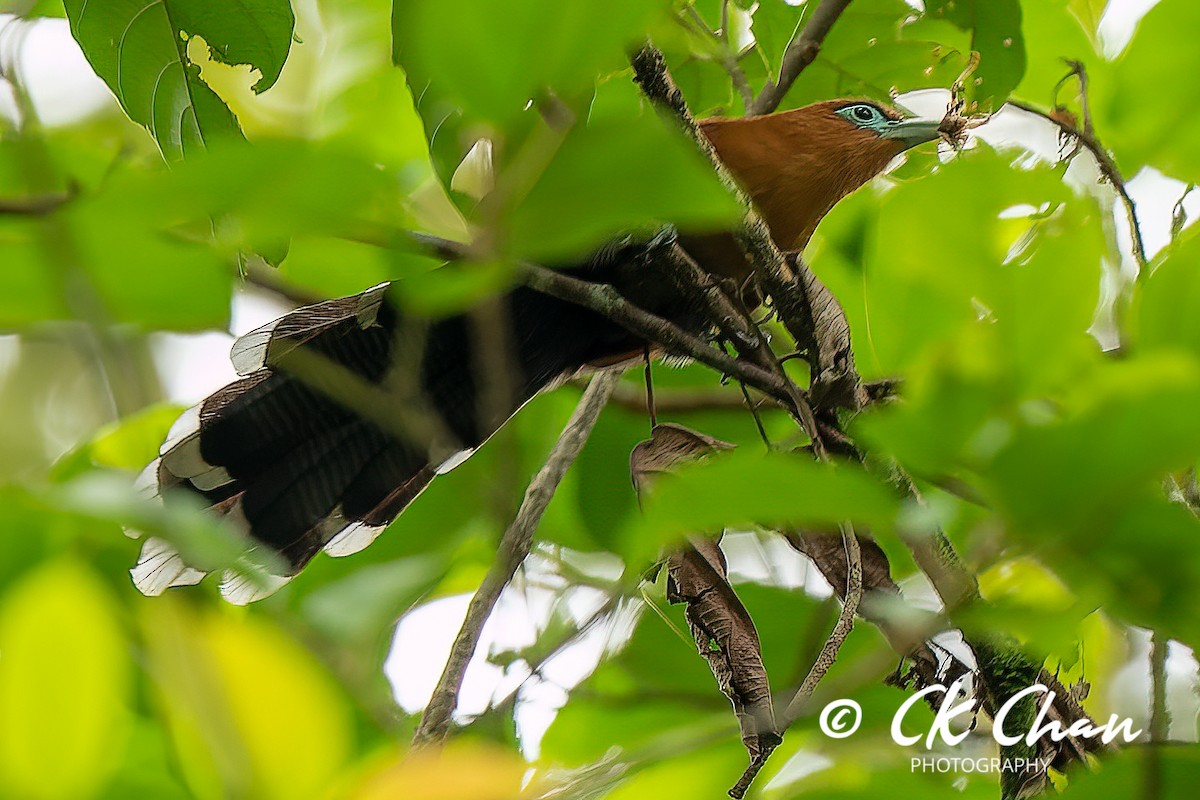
[995, 30]
[139, 48]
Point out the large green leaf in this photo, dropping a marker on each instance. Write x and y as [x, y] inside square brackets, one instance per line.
[1056, 31]
[1169, 311]
[746, 489]
[254, 32]
[251, 711]
[473, 66]
[1128, 773]
[618, 173]
[494, 59]
[140, 49]
[994, 27]
[1141, 133]
[948, 279]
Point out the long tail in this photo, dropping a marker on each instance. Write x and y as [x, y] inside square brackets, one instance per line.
[346, 410]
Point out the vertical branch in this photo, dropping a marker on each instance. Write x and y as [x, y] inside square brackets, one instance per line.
[801, 52]
[1160, 720]
[514, 547]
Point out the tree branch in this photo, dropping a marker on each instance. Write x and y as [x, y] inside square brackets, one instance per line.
[1108, 168]
[514, 547]
[801, 52]
[683, 401]
[605, 300]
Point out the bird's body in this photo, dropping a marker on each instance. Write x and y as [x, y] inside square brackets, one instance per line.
[301, 452]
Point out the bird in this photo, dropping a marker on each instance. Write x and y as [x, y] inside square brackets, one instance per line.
[347, 409]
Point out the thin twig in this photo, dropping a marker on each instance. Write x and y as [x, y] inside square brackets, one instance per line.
[514, 547]
[1108, 168]
[801, 52]
[648, 375]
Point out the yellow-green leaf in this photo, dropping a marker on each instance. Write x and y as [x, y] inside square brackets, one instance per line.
[64, 685]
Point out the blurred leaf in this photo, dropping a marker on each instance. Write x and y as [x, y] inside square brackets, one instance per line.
[1088, 12]
[1158, 55]
[493, 61]
[613, 175]
[461, 771]
[775, 23]
[140, 50]
[362, 606]
[1169, 311]
[133, 442]
[1085, 490]
[28, 291]
[64, 685]
[1130, 425]
[746, 489]
[32, 8]
[450, 288]
[1125, 774]
[1055, 31]
[942, 276]
[250, 710]
[335, 267]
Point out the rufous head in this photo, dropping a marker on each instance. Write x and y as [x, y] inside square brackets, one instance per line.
[797, 164]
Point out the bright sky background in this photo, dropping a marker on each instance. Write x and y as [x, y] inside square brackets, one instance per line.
[63, 89]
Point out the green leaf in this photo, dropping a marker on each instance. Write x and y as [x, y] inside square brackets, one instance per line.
[253, 32]
[492, 60]
[64, 685]
[1161, 53]
[948, 279]
[1088, 12]
[140, 49]
[1168, 313]
[232, 688]
[130, 268]
[775, 23]
[133, 442]
[995, 30]
[618, 173]
[1054, 34]
[1126, 772]
[746, 489]
[872, 50]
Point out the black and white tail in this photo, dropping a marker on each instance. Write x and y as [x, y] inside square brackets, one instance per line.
[344, 413]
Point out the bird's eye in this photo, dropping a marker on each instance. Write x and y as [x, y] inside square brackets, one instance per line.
[864, 115]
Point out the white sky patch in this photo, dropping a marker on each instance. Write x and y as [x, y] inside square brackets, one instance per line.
[59, 80]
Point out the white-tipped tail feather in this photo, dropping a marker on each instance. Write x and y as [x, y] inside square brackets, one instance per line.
[160, 567]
